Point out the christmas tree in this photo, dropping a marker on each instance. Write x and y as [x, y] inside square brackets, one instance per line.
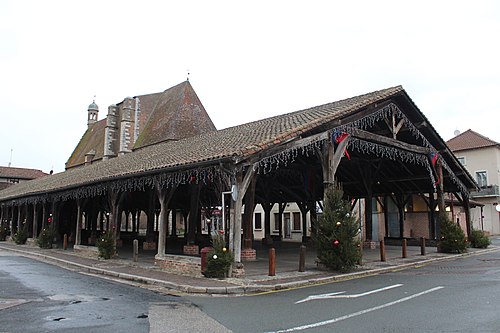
[336, 237]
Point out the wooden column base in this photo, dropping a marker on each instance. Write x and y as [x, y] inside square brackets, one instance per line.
[248, 255]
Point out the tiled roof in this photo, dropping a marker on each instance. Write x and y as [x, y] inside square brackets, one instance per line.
[469, 140]
[20, 173]
[234, 142]
[174, 114]
[92, 139]
[177, 114]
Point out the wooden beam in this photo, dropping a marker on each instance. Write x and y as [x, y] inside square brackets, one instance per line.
[364, 135]
[292, 143]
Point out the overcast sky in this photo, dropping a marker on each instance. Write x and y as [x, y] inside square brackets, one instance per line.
[247, 61]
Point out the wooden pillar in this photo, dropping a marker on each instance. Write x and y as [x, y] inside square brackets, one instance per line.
[19, 218]
[368, 217]
[267, 219]
[150, 217]
[281, 210]
[303, 215]
[173, 233]
[78, 231]
[330, 160]
[164, 196]
[242, 184]
[432, 216]
[313, 216]
[35, 220]
[466, 205]
[386, 216]
[114, 201]
[440, 198]
[248, 215]
[194, 217]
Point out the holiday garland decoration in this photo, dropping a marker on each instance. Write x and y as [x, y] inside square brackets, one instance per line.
[163, 180]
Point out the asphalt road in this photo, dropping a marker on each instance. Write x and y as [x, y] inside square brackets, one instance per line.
[38, 297]
[461, 295]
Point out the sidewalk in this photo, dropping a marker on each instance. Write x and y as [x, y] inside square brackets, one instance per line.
[256, 272]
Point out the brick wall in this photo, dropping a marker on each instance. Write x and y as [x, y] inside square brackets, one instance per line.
[180, 265]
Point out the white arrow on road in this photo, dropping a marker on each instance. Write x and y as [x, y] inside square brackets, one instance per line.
[338, 294]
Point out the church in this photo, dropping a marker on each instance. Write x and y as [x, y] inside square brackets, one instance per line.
[141, 121]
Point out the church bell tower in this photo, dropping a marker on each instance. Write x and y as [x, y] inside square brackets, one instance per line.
[93, 111]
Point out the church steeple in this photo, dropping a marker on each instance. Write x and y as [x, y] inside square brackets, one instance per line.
[93, 111]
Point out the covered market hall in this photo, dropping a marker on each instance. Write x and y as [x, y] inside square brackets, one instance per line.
[379, 146]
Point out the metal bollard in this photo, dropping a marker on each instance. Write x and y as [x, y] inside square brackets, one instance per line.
[382, 250]
[422, 246]
[136, 250]
[403, 248]
[302, 258]
[272, 262]
[65, 242]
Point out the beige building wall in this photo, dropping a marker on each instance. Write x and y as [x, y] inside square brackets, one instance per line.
[484, 160]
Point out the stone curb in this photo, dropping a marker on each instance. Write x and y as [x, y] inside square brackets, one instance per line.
[246, 289]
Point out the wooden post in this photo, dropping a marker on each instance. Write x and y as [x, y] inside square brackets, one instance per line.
[422, 246]
[382, 250]
[136, 250]
[272, 262]
[65, 242]
[78, 231]
[403, 248]
[302, 258]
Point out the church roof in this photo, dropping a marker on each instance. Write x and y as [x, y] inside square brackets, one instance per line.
[173, 114]
[177, 114]
[470, 140]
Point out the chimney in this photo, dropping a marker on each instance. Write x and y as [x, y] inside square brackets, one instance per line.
[89, 157]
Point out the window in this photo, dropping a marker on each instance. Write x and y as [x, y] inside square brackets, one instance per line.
[258, 221]
[482, 178]
[296, 221]
[461, 159]
[276, 222]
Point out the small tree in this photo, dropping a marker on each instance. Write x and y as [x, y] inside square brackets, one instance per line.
[478, 239]
[45, 238]
[453, 238]
[336, 237]
[21, 236]
[105, 245]
[219, 259]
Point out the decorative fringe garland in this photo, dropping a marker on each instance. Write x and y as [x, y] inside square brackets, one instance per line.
[165, 180]
[265, 165]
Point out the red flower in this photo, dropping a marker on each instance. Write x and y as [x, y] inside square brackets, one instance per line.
[335, 243]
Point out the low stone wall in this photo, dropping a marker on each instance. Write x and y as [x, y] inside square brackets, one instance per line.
[183, 265]
[90, 251]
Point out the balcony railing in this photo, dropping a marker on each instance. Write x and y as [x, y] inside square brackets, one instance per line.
[486, 191]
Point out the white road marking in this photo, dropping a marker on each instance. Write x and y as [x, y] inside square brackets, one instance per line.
[359, 313]
[336, 295]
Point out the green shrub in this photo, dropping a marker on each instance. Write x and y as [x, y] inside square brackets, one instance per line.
[105, 245]
[45, 239]
[219, 259]
[336, 237]
[453, 238]
[4, 231]
[479, 240]
[20, 237]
